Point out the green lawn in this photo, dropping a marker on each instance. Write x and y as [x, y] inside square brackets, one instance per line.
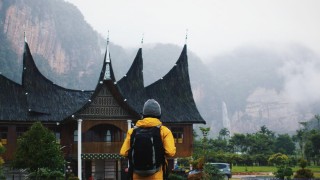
[237, 169]
[268, 168]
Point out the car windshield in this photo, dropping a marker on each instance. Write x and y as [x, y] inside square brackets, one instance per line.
[220, 166]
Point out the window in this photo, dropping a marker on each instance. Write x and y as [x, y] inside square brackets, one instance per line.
[3, 135]
[177, 133]
[57, 134]
[75, 136]
[108, 136]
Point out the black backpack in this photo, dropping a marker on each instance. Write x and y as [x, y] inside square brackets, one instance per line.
[146, 154]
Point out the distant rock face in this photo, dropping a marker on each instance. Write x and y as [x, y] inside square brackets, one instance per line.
[58, 37]
[40, 34]
[266, 107]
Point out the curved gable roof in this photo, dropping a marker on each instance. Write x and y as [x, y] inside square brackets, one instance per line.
[46, 100]
[132, 86]
[174, 94]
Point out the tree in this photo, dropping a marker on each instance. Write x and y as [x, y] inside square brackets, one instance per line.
[204, 141]
[239, 143]
[284, 144]
[2, 150]
[282, 163]
[224, 133]
[39, 153]
[312, 146]
[303, 173]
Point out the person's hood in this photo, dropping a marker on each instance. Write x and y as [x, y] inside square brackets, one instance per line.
[148, 122]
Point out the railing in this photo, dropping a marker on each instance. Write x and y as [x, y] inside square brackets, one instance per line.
[98, 147]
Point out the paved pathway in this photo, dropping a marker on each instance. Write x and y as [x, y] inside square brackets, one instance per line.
[252, 177]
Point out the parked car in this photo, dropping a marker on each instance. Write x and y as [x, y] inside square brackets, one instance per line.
[224, 169]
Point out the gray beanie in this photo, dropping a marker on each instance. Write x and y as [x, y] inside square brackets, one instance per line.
[151, 108]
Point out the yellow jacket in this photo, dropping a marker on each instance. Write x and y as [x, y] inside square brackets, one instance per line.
[167, 139]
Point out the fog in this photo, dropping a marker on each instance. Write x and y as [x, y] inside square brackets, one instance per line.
[214, 26]
[263, 55]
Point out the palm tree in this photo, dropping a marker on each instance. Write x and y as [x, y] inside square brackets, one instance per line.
[224, 133]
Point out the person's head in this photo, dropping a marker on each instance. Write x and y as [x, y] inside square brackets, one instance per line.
[151, 108]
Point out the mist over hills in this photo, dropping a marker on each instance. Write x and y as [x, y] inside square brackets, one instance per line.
[272, 86]
[260, 85]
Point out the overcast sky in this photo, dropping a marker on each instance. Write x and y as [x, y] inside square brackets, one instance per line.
[214, 26]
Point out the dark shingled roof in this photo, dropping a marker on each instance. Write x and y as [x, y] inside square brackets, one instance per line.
[38, 98]
[13, 102]
[173, 91]
[107, 80]
[131, 85]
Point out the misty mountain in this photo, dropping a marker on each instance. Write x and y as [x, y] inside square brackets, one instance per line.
[271, 86]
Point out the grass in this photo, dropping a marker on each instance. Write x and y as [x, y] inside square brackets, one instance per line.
[237, 169]
[315, 169]
[254, 169]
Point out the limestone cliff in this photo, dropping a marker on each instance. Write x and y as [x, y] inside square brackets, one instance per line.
[60, 36]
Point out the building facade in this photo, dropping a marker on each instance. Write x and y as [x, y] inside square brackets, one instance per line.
[105, 113]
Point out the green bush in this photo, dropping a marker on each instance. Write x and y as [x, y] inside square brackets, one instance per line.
[46, 174]
[304, 173]
[175, 177]
[211, 172]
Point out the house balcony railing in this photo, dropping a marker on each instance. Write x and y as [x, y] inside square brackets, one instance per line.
[98, 147]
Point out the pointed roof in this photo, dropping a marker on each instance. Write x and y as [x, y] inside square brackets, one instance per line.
[44, 98]
[132, 85]
[107, 70]
[38, 98]
[107, 83]
[174, 94]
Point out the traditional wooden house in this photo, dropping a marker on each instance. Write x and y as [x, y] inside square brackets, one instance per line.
[98, 118]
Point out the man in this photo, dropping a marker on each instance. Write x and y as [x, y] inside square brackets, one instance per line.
[151, 118]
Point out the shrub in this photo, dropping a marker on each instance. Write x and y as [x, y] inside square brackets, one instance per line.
[212, 172]
[304, 173]
[282, 163]
[175, 177]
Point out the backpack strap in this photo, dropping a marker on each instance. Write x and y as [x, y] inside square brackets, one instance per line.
[130, 168]
[165, 170]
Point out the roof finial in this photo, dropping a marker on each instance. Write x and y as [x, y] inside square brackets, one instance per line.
[25, 37]
[108, 37]
[107, 53]
[142, 39]
[186, 36]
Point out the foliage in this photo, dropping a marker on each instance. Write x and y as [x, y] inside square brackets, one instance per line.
[175, 177]
[284, 144]
[304, 173]
[211, 172]
[38, 152]
[303, 163]
[2, 150]
[282, 163]
[46, 174]
[73, 177]
[255, 148]
[278, 159]
[283, 171]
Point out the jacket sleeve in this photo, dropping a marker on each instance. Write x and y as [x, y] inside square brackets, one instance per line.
[126, 144]
[168, 142]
